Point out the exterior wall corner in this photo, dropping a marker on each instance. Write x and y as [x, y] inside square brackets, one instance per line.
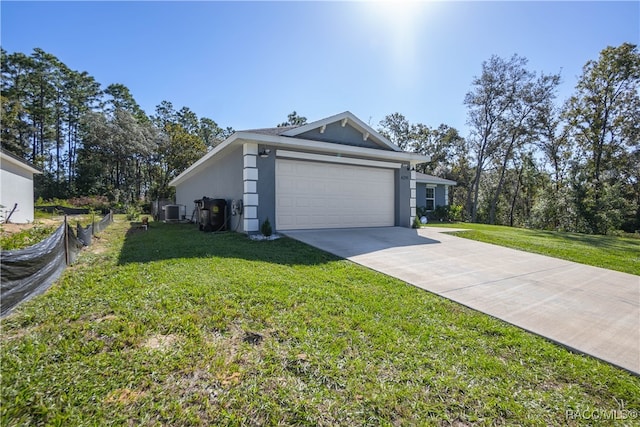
[250, 197]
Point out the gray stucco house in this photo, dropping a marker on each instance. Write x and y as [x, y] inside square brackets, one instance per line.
[336, 172]
[432, 191]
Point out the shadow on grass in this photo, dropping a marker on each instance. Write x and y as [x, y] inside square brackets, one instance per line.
[162, 241]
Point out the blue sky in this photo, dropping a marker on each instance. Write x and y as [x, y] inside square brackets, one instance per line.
[249, 64]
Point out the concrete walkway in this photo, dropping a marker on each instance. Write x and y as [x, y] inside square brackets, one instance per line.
[588, 309]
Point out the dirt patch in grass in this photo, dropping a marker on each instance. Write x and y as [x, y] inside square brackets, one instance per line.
[199, 381]
[98, 246]
[162, 342]
[107, 318]
[232, 343]
[97, 318]
[18, 333]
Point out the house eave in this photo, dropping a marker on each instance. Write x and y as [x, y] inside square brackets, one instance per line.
[330, 147]
[436, 181]
[286, 142]
[6, 157]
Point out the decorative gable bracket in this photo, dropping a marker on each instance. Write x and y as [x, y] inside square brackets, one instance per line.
[368, 134]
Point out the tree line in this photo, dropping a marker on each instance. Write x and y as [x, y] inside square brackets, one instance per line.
[529, 159]
[93, 141]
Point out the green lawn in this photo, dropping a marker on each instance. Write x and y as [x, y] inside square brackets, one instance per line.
[612, 252]
[177, 327]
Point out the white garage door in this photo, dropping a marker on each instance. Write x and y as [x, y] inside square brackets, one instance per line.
[329, 195]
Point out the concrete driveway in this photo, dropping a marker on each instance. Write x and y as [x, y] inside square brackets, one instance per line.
[588, 309]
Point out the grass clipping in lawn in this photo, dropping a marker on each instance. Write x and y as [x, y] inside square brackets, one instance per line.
[173, 326]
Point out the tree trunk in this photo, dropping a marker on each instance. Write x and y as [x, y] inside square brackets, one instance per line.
[496, 196]
[476, 190]
[515, 195]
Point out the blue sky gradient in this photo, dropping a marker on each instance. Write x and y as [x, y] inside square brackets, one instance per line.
[249, 64]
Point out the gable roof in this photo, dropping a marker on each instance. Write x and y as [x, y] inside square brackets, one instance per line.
[294, 138]
[7, 156]
[431, 179]
[345, 118]
[271, 131]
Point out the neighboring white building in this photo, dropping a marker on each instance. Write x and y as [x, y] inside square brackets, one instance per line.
[16, 187]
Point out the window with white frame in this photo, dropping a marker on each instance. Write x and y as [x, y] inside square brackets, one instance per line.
[430, 198]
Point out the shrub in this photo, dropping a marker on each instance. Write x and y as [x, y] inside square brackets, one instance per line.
[441, 213]
[265, 228]
[456, 213]
[146, 207]
[91, 202]
[422, 211]
[53, 202]
[132, 213]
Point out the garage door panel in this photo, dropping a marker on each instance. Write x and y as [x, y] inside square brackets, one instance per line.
[325, 195]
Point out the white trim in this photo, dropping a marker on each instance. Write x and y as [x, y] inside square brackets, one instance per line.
[430, 179]
[250, 174]
[426, 198]
[249, 161]
[250, 148]
[250, 199]
[250, 177]
[302, 144]
[251, 186]
[331, 159]
[22, 164]
[251, 225]
[333, 148]
[250, 212]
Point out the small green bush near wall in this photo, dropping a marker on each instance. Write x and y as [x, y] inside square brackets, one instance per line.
[266, 229]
